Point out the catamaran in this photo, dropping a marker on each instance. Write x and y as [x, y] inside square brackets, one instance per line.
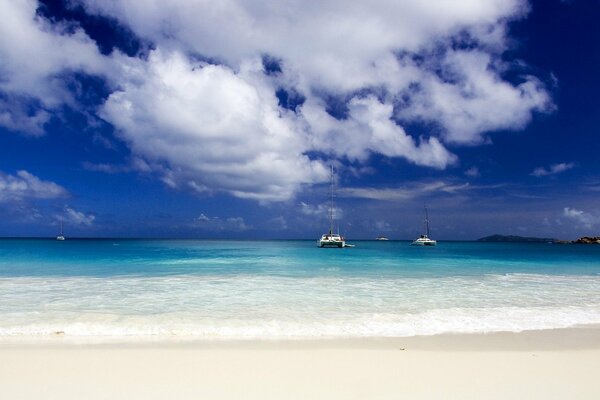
[424, 240]
[61, 236]
[331, 239]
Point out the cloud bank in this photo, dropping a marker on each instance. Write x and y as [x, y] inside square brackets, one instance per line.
[204, 113]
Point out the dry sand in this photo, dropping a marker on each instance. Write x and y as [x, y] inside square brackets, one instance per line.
[557, 364]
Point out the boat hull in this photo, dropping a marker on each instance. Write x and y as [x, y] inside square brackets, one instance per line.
[331, 243]
[424, 241]
[430, 243]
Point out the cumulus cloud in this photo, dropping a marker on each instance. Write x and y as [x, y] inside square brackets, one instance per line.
[24, 185]
[213, 128]
[74, 217]
[35, 56]
[209, 120]
[217, 125]
[341, 48]
[368, 129]
[580, 217]
[552, 170]
[460, 91]
[16, 115]
[334, 44]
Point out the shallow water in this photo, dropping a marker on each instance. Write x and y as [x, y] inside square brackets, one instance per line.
[291, 289]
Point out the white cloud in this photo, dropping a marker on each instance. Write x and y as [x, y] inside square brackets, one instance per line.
[212, 128]
[216, 129]
[335, 44]
[15, 115]
[204, 123]
[370, 129]
[553, 170]
[73, 217]
[34, 54]
[585, 219]
[24, 185]
[461, 96]
[403, 193]
[342, 47]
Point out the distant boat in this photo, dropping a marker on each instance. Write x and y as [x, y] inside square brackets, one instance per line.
[424, 240]
[381, 238]
[61, 236]
[331, 239]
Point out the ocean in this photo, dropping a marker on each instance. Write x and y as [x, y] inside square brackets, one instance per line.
[196, 290]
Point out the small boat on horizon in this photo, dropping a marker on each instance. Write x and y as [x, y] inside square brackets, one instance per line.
[331, 239]
[61, 236]
[381, 238]
[424, 239]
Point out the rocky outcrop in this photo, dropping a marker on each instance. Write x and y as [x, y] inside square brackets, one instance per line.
[588, 240]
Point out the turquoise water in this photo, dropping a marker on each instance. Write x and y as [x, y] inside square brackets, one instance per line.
[186, 289]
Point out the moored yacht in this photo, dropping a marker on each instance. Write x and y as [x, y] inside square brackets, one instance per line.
[331, 239]
[61, 236]
[424, 239]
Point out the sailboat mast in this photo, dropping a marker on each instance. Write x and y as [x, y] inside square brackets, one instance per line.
[61, 227]
[426, 222]
[331, 207]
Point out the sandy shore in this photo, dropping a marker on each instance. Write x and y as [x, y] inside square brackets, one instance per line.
[557, 364]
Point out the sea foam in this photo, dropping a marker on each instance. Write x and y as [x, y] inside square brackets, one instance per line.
[249, 306]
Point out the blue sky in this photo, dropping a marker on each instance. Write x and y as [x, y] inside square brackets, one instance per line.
[220, 120]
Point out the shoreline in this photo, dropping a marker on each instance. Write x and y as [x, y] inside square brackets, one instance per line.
[582, 337]
[552, 364]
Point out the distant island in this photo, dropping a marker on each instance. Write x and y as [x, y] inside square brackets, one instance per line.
[524, 239]
[513, 238]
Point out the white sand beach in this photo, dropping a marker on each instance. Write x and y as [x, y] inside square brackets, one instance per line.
[553, 364]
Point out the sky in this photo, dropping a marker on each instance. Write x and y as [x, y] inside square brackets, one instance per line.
[222, 119]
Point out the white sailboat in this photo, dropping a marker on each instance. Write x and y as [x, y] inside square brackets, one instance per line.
[61, 236]
[331, 239]
[424, 240]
